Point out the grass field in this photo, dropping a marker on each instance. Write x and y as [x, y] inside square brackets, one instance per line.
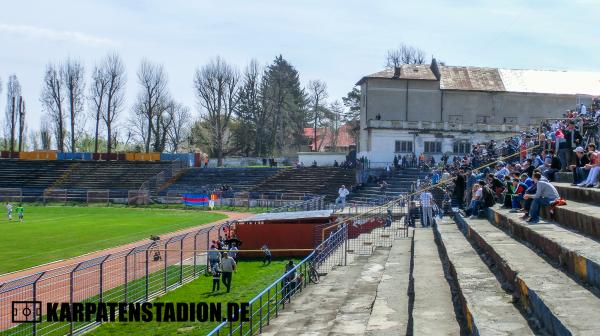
[51, 233]
[251, 278]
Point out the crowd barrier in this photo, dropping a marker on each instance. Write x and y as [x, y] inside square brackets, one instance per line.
[188, 159]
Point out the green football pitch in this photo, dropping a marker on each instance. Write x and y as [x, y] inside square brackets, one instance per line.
[51, 233]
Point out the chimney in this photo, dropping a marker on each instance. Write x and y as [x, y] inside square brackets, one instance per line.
[396, 72]
[435, 69]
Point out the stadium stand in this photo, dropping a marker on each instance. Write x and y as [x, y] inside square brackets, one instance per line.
[400, 182]
[239, 179]
[311, 180]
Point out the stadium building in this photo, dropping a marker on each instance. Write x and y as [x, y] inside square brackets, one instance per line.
[435, 109]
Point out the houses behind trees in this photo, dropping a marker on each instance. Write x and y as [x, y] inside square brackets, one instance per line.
[255, 111]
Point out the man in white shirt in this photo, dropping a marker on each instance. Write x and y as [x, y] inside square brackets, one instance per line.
[342, 193]
[426, 209]
[9, 209]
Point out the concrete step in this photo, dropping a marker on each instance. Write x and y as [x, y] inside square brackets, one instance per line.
[432, 311]
[578, 194]
[562, 306]
[582, 217]
[486, 307]
[340, 304]
[578, 254]
[389, 316]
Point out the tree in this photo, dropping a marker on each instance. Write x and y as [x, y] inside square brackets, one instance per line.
[13, 92]
[21, 122]
[285, 103]
[317, 91]
[251, 116]
[352, 115]
[98, 91]
[180, 129]
[217, 86]
[72, 76]
[404, 54]
[152, 100]
[114, 70]
[45, 137]
[52, 99]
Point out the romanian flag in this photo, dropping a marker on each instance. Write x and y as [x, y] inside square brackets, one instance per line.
[195, 199]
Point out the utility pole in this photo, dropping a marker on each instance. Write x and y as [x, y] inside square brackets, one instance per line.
[21, 122]
[12, 128]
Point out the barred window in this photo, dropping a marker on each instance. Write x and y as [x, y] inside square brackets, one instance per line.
[403, 146]
[433, 146]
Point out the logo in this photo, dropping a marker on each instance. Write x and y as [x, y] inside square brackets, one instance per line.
[26, 311]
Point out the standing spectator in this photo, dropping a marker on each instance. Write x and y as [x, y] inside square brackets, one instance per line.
[426, 209]
[206, 161]
[216, 275]
[227, 267]
[267, 252]
[396, 164]
[459, 189]
[233, 252]
[342, 193]
[546, 194]
[572, 140]
[335, 163]
[404, 161]
[214, 257]
[578, 169]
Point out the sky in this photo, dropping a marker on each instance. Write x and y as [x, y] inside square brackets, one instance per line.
[337, 41]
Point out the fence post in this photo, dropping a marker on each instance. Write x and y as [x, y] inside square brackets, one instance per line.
[71, 294]
[195, 251]
[101, 278]
[34, 296]
[147, 272]
[207, 247]
[126, 281]
[165, 270]
[181, 260]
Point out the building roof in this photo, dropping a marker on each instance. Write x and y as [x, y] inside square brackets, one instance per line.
[469, 78]
[325, 137]
[294, 215]
[406, 71]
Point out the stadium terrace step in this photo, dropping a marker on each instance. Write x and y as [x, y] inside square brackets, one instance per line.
[581, 217]
[578, 194]
[239, 179]
[564, 177]
[578, 254]
[339, 304]
[487, 308]
[433, 311]
[562, 306]
[389, 315]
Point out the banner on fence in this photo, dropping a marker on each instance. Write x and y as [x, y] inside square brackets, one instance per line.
[195, 199]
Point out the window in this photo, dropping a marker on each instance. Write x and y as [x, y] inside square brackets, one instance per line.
[433, 146]
[482, 119]
[456, 119]
[510, 120]
[462, 147]
[403, 146]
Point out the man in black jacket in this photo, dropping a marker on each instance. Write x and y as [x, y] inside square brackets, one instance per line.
[554, 167]
[578, 170]
[573, 140]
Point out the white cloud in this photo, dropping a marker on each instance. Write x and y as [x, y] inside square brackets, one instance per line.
[55, 35]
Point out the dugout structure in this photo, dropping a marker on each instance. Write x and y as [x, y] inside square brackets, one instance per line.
[11, 194]
[282, 230]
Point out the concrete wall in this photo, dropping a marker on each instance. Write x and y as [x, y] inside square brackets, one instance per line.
[323, 159]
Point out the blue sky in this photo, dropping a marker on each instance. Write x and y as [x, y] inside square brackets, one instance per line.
[335, 41]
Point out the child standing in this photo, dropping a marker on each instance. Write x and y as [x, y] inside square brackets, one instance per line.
[216, 274]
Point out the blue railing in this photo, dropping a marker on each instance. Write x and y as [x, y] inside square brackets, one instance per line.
[267, 304]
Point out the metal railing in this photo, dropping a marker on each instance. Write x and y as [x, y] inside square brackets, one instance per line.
[266, 305]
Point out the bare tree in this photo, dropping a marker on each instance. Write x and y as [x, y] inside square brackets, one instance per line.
[180, 128]
[114, 70]
[317, 91]
[52, 99]
[336, 110]
[72, 75]
[45, 137]
[98, 91]
[152, 100]
[404, 54]
[13, 92]
[217, 86]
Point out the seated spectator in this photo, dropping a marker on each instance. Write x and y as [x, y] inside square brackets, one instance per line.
[546, 194]
[578, 169]
[593, 167]
[496, 185]
[540, 159]
[553, 167]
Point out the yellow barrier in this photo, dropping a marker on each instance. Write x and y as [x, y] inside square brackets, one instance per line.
[38, 155]
[154, 156]
[130, 156]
